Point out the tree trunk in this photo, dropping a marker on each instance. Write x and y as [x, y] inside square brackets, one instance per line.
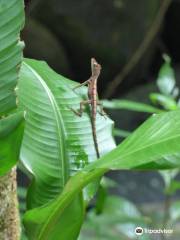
[9, 214]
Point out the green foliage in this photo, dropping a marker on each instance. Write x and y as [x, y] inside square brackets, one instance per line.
[166, 102]
[169, 182]
[155, 141]
[166, 78]
[11, 22]
[57, 143]
[166, 83]
[54, 147]
[11, 132]
[175, 212]
[153, 145]
[119, 218]
[174, 186]
[167, 99]
[11, 128]
[11, 121]
[55, 224]
[58, 149]
[121, 133]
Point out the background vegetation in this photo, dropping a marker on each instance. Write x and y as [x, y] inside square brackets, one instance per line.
[138, 51]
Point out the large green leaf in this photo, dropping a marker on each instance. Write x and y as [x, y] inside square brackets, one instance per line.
[57, 143]
[64, 226]
[11, 132]
[158, 138]
[154, 141]
[11, 22]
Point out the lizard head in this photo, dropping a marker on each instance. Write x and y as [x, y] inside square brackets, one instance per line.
[95, 68]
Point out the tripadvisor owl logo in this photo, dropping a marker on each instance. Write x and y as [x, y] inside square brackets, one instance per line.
[139, 231]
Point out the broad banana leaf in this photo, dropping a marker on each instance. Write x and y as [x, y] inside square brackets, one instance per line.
[11, 22]
[11, 128]
[57, 143]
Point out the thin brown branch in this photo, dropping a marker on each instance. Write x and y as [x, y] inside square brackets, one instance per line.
[151, 34]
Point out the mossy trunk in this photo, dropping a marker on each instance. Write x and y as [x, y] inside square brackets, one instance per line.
[9, 214]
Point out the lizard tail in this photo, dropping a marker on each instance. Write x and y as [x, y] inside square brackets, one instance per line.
[95, 139]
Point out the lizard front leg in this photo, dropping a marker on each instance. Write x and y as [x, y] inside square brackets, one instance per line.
[82, 104]
[82, 84]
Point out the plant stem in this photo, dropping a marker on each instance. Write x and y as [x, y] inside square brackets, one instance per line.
[9, 214]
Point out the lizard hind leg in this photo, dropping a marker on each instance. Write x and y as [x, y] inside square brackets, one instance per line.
[80, 111]
[101, 111]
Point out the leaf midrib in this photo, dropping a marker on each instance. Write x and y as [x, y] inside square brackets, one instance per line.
[60, 127]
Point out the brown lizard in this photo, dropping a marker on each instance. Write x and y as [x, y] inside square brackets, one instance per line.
[92, 99]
